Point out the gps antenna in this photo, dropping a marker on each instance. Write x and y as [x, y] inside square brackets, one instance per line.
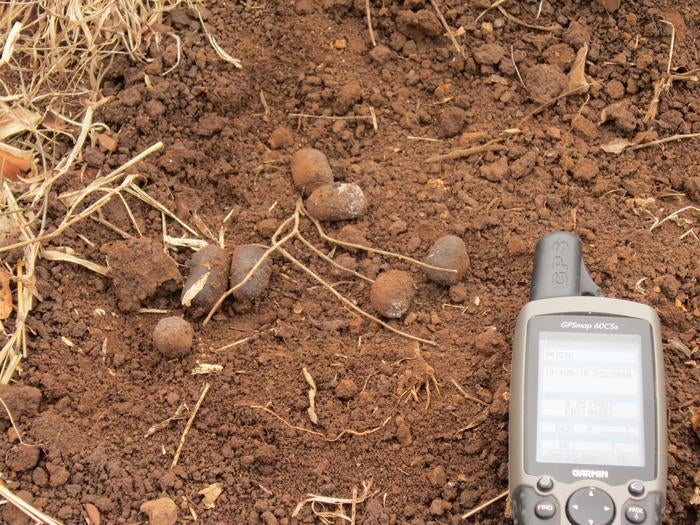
[559, 270]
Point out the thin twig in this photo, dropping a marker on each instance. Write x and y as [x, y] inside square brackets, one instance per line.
[673, 42]
[330, 117]
[369, 24]
[450, 34]
[342, 433]
[517, 71]
[331, 261]
[189, 424]
[664, 140]
[466, 395]
[518, 21]
[462, 153]
[484, 505]
[31, 511]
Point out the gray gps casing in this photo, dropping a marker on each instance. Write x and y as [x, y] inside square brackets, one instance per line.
[524, 472]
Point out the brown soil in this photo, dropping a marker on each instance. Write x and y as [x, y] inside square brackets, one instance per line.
[225, 154]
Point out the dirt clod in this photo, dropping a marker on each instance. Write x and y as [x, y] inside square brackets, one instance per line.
[173, 336]
[162, 511]
[451, 121]
[21, 400]
[438, 476]
[447, 252]
[336, 202]
[392, 293]
[281, 138]
[139, 269]
[381, 54]
[419, 24]
[310, 169]
[490, 54]
[211, 261]
[349, 95]
[243, 259]
[346, 389]
[544, 82]
[585, 170]
[524, 165]
[495, 171]
[577, 35]
[21, 458]
[490, 341]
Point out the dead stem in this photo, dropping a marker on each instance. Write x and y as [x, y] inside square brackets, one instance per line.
[345, 432]
[189, 424]
[28, 509]
[450, 34]
[462, 153]
[484, 505]
[369, 23]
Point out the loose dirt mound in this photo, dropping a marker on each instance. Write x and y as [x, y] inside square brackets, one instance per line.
[433, 451]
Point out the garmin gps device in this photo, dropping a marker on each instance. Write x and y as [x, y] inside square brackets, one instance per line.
[587, 430]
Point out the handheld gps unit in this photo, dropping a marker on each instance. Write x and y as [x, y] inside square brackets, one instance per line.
[587, 429]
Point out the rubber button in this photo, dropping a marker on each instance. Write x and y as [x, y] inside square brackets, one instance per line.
[635, 514]
[636, 488]
[545, 484]
[590, 506]
[545, 509]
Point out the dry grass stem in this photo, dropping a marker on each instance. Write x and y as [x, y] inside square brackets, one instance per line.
[517, 71]
[333, 240]
[673, 216]
[671, 45]
[331, 117]
[462, 153]
[484, 505]
[179, 414]
[518, 21]
[328, 517]
[664, 140]
[312, 396]
[57, 255]
[32, 512]
[466, 395]
[450, 34]
[368, 11]
[342, 433]
[188, 425]
[492, 6]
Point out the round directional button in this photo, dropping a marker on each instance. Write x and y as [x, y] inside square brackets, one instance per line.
[545, 483]
[636, 488]
[545, 509]
[590, 506]
[635, 514]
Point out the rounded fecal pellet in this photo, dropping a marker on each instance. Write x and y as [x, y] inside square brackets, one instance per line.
[336, 202]
[310, 169]
[212, 262]
[243, 259]
[173, 336]
[392, 293]
[447, 252]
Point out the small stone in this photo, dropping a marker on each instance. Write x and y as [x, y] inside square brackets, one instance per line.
[93, 514]
[21, 400]
[392, 293]
[336, 202]
[692, 187]
[281, 138]
[437, 476]
[524, 165]
[496, 171]
[381, 54]
[243, 259]
[162, 511]
[695, 420]
[173, 336]
[347, 97]
[615, 89]
[585, 170]
[577, 35]
[490, 54]
[212, 260]
[490, 340]
[451, 121]
[21, 458]
[346, 389]
[544, 82]
[448, 252]
[310, 169]
[419, 24]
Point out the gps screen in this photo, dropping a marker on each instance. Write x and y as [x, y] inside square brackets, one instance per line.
[589, 399]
